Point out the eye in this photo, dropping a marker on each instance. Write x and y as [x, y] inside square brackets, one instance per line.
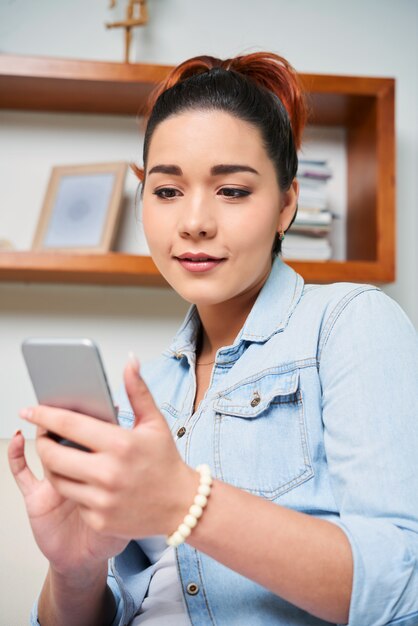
[166, 193]
[233, 192]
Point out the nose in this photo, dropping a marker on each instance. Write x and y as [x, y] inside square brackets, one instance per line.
[197, 220]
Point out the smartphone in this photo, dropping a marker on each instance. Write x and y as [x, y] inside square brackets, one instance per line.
[69, 374]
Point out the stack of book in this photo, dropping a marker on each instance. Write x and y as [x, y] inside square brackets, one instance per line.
[308, 238]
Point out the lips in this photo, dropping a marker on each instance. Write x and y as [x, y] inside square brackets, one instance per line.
[199, 261]
[198, 256]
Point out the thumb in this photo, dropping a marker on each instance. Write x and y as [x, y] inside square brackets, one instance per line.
[139, 395]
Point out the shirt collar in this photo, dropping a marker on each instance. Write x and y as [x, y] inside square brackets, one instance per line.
[270, 314]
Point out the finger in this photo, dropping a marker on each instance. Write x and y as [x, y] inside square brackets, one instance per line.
[139, 395]
[77, 492]
[40, 432]
[70, 462]
[23, 475]
[90, 432]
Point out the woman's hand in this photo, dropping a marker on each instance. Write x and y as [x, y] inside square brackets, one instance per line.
[133, 483]
[69, 544]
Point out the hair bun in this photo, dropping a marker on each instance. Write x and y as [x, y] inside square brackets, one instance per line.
[274, 73]
[266, 69]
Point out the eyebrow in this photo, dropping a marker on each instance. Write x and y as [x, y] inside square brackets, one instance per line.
[216, 170]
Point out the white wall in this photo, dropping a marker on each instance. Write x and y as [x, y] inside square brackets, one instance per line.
[360, 37]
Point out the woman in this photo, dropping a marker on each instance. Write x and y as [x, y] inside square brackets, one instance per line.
[301, 399]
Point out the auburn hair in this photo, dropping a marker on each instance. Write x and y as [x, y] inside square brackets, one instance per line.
[261, 88]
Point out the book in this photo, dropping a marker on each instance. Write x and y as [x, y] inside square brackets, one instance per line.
[305, 248]
[309, 236]
[314, 169]
[316, 218]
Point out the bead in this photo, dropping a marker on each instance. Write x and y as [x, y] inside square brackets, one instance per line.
[204, 490]
[190, 520]
[184, 530]
[196, 510]
[203, 468]
[177, 537]
[200, 500]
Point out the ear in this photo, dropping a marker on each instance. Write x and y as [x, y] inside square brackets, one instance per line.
[288, 205]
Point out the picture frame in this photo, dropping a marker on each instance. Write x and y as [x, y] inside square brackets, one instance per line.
[81, 208]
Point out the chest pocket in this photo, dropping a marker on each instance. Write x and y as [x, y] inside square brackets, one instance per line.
[260, 435]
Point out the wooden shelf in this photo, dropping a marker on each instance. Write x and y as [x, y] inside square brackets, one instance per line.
[101, 269]
[72, 86]
[127, 269]
[363, 106]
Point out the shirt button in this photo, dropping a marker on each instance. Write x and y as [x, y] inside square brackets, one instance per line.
[192, 589]
[256, 400]
[181, 431]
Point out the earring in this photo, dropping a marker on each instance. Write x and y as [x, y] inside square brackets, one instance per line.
[281, 234]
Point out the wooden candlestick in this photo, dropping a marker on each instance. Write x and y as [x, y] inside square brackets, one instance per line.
[136, 15]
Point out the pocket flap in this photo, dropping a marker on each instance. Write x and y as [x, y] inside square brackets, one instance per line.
[251, 397]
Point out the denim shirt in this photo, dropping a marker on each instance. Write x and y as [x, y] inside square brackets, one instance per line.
[314, 407]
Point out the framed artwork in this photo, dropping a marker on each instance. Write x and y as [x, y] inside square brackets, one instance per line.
[81, 208]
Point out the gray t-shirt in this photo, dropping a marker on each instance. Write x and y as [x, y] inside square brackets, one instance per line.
[164, 603]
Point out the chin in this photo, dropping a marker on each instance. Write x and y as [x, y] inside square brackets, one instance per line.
[201, 296]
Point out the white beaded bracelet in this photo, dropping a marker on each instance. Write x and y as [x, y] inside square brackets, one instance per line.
[196, 510]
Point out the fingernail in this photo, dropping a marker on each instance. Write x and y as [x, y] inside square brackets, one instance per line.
[133, 361]
[18, 432]
[26, 414]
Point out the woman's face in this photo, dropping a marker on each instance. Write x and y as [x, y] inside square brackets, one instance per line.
[212, 206]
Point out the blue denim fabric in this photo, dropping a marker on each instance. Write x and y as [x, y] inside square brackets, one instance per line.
[334, 435]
